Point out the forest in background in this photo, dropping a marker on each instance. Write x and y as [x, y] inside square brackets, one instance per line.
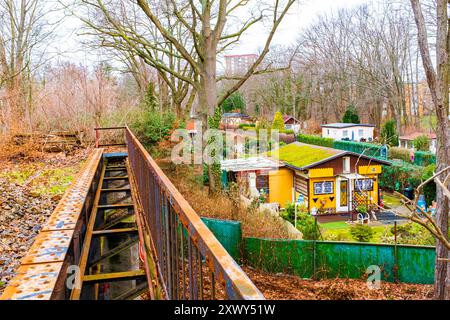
[366, 57]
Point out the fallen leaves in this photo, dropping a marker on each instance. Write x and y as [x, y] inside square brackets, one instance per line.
[287, 287]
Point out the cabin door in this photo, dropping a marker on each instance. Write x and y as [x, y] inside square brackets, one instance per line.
[342, 195]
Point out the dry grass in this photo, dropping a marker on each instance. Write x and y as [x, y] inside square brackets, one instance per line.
[10, 151]
[188, 180]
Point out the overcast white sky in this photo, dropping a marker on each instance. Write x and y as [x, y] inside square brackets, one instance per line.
[301, 15]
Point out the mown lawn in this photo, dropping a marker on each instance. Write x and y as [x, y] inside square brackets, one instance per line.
[340, 231]
[391, 200]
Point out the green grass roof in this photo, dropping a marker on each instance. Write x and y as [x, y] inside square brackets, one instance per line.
[302, 155]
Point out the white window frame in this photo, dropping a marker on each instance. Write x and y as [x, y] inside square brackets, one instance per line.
[323, 190]
[361, 133]
[346, 166]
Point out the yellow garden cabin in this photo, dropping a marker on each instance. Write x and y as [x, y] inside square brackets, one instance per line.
[328, 180]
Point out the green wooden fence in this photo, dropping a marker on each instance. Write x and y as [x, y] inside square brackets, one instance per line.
[303, 258]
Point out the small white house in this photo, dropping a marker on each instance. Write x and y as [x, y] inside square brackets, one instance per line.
[348, 131]
[407, 141]
[291, 123]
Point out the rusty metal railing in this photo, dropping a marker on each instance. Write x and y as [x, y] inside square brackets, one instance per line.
[190, 262]
[97, 137]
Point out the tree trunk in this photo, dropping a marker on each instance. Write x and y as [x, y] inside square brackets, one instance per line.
[208, 99]
[178, 109]
[438, 82]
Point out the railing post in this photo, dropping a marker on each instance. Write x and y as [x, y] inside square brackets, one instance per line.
[97, 138]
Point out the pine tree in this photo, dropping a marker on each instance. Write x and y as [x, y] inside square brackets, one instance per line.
[278, 122]
[389, 134]
[351, 115]
[234, 102]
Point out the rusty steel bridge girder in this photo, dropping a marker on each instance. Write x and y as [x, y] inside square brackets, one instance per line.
[39, 276]
[182, 257]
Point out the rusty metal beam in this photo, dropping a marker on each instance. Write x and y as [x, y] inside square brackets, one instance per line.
[116, 178]
[100, 233]
[117, 221]
[133, 293]
[116, 250]
[109, 128]
[150, 259]
[115, 276]
[115, 206]
[41, 274]
[111, 145]
[116, 189]
[76, 292]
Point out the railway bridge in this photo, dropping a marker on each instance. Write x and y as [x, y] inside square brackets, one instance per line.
[123, 231]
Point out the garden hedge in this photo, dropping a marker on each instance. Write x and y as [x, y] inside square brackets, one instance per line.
[369, 149]
[423, 158]
[316, 140]
[406, 174]
[399, 153]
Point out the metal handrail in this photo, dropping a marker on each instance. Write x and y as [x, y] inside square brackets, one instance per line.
[190, 260]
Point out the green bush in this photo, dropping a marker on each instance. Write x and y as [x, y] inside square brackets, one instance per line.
[234, 102]
[247, 125]
[351, 115]
[389, 134]
[429, 190]
[421, 143]
[424, 158]
[307, 226]
[316, 140]
[278, 122]
[305, 222]
[362, 233]
[362, 209]
[399, 153]
[401, 172]
[412, 233]
[153, 127]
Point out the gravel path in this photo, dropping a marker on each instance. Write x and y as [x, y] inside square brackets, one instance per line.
[21, 219]
[23, 212]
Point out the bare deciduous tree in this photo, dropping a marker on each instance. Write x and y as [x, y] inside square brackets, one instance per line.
[210, 28]
[23, 32]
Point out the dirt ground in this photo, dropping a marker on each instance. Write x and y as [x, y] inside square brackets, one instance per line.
[287, 287]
